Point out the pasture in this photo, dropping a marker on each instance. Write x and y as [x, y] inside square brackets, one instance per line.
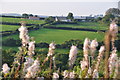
[87, 25]
[18, 20]
[59, 36]
[10, 27]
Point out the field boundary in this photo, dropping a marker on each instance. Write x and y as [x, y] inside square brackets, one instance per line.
[70, 28]
[16, 24]
[6, 33]
[11, 32]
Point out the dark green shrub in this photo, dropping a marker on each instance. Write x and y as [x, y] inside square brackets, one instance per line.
[8, 56]
[42, 45]
[11, 42]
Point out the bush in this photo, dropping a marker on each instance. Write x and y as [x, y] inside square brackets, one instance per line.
[61, 59]
[106, 18]
[8, 56]
[59, 22]
[68, 44]
[11, 42]
[118, 21]
[42, 45]
[50, 19]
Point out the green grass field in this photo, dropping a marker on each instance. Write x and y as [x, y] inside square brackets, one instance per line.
[17, 20]
[59, 36]
[88, 25]
[9, 27]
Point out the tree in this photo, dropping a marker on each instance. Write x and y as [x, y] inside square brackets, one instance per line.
[113, 11]
[99, 19]
[36, 15]
[49, 19]
[25, 15]
[31, 15]
[70, 16]
[106, 18]
[118, 21]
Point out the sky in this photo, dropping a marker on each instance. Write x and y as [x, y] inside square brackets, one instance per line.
[57, 7]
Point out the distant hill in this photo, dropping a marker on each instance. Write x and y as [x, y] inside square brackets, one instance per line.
[43, 16]
[10, 14]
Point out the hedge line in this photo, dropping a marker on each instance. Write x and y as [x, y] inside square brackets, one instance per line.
[70, 28]
[33, 27]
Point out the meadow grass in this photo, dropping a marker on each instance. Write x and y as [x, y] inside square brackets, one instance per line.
[18, 20]
[59, 36]
[36, 48]
[88, 25]
[57, 50]
[10, 27]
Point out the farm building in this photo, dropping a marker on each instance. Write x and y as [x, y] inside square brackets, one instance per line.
[34, 18]
[83, 18]
[42, 17]
[62, 18]
[99, 15]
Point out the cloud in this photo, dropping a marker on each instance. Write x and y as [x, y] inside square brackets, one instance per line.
[59, 0]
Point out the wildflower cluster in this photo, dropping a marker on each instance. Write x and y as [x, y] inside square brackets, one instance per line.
[72, 55]
[26, 65]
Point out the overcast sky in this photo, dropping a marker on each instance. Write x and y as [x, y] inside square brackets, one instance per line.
[58, 7]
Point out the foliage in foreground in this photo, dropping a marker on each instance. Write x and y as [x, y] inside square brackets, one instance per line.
[28, 64]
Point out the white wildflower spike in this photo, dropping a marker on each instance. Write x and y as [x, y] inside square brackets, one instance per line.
[84, 64]
[116, 69]
[23, 31]
[66, 74]
[54, 63]
[95, 74]
[89, 71]
[86, 44]
[31, 48]
[112, 61]
[113, 30]
[93, 46]
[50, 53]
[102, 49]
[55, 76]
[5, 68]
[72, 75]
[25, 40]
[86, 47]
[40, 78]
[72, 55]
[113, 27]
[51, 49]
[32, 70]
[28, 63]
[23, 35]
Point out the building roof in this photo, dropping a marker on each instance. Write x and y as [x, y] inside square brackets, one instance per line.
[61, 18]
